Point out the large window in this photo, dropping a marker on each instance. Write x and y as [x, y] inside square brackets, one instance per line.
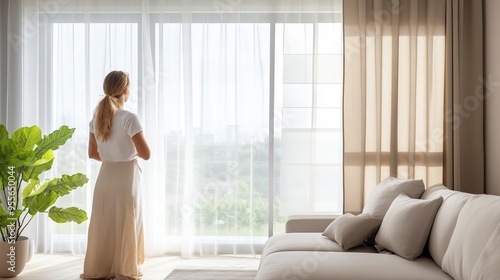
[243, 114]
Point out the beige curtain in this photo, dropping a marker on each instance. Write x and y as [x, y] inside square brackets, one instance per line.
[465, 95]
[402, 86]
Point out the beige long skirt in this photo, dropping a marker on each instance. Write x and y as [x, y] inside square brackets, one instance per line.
[115, 247]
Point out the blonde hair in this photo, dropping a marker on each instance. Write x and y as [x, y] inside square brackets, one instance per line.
[115, 85]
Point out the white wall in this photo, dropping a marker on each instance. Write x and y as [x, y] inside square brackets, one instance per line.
[492, 106]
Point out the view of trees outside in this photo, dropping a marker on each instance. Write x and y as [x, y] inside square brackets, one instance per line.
[232, 189]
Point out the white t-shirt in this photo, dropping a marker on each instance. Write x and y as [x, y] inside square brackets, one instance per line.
[119, 147]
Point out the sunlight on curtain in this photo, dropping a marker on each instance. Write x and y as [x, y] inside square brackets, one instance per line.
[204, 76]
[215, 117]
[394, 114]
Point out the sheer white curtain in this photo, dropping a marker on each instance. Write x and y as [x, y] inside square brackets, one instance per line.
[309, 95]
[211, 111]
[220, 102]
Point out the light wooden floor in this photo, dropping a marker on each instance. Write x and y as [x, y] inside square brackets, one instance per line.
[69, 267]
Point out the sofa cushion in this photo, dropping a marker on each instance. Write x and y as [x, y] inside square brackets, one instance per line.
[306, 241]
[487, 265]
[406, 226]
[476, 223]
[387, 190]
[321, 265]
[446, 219]
[350, 231]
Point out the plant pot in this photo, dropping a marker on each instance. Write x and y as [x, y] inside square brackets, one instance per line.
[13, 257]
[31, 250]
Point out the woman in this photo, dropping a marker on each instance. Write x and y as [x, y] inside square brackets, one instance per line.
[115, 247]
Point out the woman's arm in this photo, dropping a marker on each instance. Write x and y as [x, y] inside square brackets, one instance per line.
[141, 145]
[93, 149]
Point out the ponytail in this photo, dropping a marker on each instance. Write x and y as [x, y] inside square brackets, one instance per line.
[115, 84]
[103, 116]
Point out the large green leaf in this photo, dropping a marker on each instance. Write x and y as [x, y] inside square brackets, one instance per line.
[40, 202]
[6, 148]
[2, 210]
[3, 178]
[36, 168]
[54, 140]
[34, 187]
[4, 220]
[5, 151]
[16, 160]
[27, 137]
[4, 134]
[20, 157]
[70, 214]
[66, 183]
[47, 157]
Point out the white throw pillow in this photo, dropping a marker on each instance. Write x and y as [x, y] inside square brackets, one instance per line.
[350, 231]
[387, 190]
[406, 226]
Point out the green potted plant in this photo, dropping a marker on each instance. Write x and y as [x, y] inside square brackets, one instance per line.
[23, 158]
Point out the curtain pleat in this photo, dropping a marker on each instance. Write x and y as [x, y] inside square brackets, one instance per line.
[12, 57]
[464, 168]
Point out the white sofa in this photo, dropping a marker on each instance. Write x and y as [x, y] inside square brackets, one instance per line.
[463, 243]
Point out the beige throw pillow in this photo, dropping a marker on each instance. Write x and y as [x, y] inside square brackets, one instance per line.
[406, 226]
[387, 190]
[350, 231]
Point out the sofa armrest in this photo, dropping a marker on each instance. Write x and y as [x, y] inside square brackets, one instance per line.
[309, 223]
